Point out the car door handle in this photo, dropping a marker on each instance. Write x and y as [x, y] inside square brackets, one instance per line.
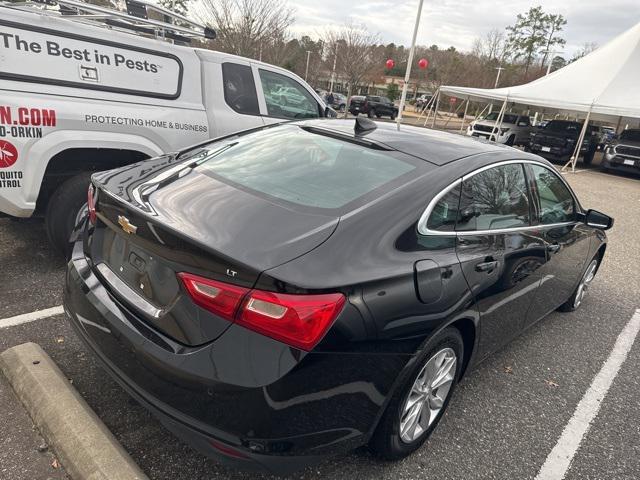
[554, 247]
[486, 266]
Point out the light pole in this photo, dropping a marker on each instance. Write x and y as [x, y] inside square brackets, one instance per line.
[306, 70]
[551, 57]
[495, 85]
[407, 73]
[333, 70]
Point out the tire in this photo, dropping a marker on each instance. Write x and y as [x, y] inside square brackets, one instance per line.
[576, 298]
[387, 441]
[588, 157]
[393, 116]
[63, 209]
[510, 141]
[371, 112]
[342, 108]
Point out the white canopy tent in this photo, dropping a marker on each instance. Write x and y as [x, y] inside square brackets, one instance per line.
[604, 85]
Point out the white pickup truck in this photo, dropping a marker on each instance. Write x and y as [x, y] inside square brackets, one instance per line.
[79, 96]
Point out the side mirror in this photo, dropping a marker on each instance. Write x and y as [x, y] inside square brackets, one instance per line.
[330, 112]
[596, 219]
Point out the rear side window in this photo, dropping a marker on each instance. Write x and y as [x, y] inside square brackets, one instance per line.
[304, 168]
[445, 212]
[286, 98]
[494, 199]
[240, 89]
[556, 202]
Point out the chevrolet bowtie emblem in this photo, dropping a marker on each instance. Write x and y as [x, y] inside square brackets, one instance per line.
[126, 225]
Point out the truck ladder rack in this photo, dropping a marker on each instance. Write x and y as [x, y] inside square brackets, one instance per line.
[136, 19]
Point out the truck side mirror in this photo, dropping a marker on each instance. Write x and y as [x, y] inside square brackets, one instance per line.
[330, 112]
[596, 219]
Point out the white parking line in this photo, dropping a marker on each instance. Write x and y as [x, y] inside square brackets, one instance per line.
[31, 316]
[559, 460]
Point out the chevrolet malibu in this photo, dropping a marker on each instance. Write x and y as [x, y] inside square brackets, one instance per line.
[300, 290]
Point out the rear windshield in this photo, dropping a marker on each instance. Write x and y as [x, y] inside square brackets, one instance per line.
[630, 135]
[508, 118]
[302, 167]
[556, 126]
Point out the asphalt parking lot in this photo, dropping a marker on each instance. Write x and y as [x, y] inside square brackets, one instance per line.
[504, 420]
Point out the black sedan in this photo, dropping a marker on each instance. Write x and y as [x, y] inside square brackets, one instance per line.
[303, 289]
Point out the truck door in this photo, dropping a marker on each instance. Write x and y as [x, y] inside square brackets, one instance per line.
[283, 98]
[231, 98]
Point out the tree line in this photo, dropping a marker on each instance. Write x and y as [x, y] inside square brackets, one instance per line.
[260, 29]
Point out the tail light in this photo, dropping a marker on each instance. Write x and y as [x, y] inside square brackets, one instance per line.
[217, 297]
[297, 320]
[91, 204]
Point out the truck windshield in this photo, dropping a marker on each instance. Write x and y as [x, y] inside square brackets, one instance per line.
[558, 126]
[508, 118]
[304, 167]
[630, 135]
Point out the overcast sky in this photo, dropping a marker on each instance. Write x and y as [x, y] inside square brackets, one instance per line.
[459, 22]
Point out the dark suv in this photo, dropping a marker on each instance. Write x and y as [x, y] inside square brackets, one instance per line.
[372, 105]
[557, 140]
[623, 153]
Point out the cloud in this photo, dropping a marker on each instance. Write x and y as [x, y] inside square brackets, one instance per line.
[458, 22]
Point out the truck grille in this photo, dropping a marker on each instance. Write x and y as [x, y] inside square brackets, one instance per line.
[483, 128]
[552, 141]
[627, 150]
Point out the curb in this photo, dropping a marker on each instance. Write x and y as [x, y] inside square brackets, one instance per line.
[84, 445]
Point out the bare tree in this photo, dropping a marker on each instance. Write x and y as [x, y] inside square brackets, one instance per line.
[247, 27]
[585, 49]
[492, 47]
[354, 49]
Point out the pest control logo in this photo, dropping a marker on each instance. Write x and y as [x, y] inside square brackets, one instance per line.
[8, 154]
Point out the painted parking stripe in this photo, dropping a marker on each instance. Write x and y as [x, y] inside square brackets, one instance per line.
[559, 460]
[31, 316]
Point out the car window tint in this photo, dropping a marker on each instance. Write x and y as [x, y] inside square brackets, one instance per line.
[556, 202]
[286, 98]
[493, 199]
[240, 89]
[445, 212]
[304, 168]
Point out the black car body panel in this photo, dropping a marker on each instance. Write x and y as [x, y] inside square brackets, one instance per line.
[250, 399]
[557, 140]
[624, 153]
[372, 105]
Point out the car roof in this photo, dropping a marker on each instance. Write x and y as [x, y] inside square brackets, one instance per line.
[433, 146]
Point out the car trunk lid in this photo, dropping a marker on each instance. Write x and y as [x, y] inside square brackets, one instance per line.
[162, 217]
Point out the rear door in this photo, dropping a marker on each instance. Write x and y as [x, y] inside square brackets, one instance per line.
[566, 239]
[499, 252]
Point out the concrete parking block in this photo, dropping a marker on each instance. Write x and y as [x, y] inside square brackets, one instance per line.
[84, 445]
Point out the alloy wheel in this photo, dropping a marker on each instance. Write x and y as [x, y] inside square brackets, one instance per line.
[584, 283]
[428, 394]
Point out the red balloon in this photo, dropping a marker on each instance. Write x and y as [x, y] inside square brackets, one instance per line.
[423, 63]
[390, 63]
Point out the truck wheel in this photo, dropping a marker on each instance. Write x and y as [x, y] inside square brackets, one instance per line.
[511, 140]
[66, 206]
[393, 115]
[371, 112]
[588, 157]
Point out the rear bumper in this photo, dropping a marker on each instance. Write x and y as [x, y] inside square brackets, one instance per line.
[318, 404]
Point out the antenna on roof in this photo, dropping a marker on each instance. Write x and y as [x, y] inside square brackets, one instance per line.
[136, 19]
[364, 126]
